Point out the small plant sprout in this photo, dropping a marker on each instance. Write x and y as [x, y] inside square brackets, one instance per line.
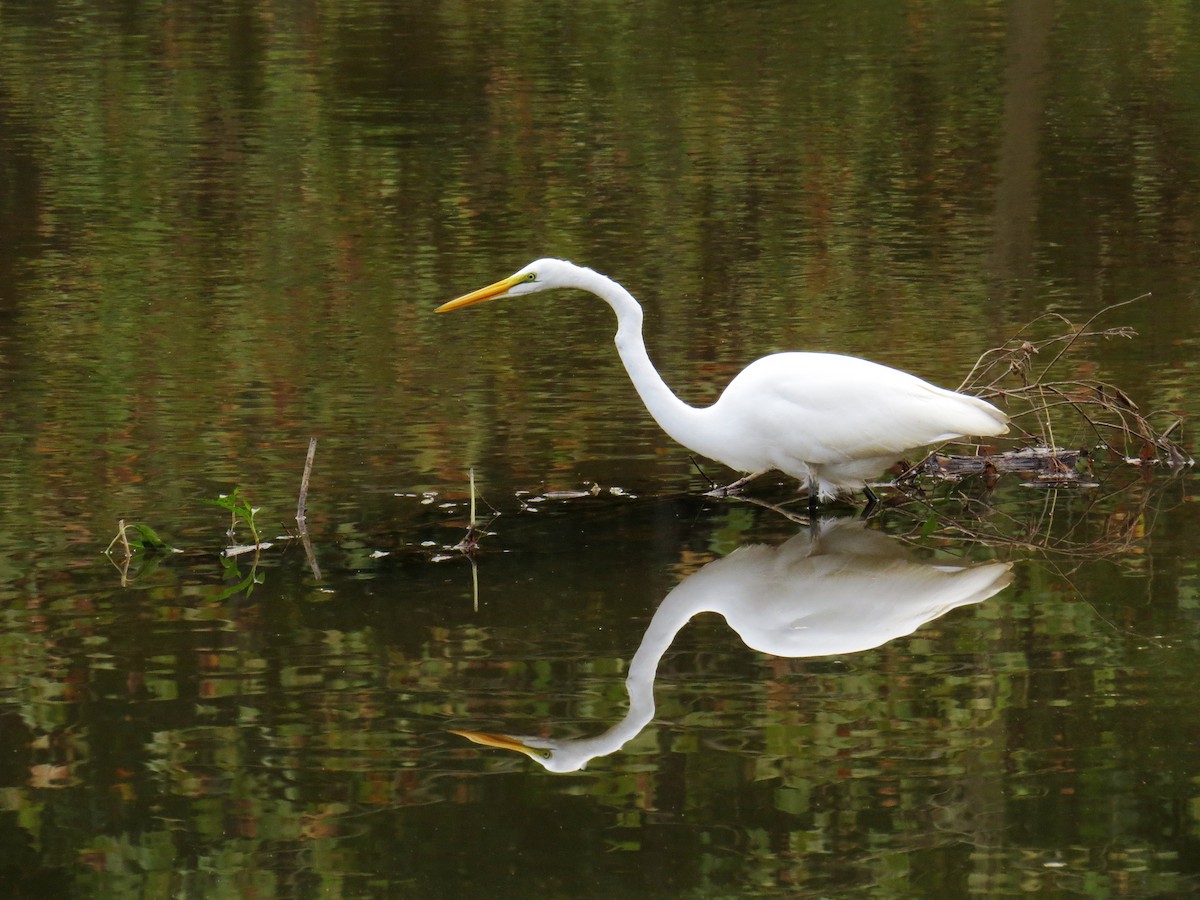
[133, 538]
[239, 510]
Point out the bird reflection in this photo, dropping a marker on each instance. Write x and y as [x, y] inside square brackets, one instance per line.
[838, 588]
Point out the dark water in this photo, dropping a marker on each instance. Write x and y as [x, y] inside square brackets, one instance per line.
[223, 231]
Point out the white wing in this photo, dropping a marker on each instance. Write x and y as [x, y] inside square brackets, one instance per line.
[826, 409]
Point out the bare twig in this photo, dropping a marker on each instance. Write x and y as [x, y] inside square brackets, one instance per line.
[302, 510]
[471, 476]
[1104, 408]
[302, 504]
[1084, 331]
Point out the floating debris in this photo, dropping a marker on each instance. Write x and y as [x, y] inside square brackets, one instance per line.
[1060, 481]
[239, 549]
[592, 491]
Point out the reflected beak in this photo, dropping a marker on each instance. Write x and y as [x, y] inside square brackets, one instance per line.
[499, 741]
[491, 292]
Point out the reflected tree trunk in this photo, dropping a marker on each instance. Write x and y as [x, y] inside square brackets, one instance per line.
[1013, 232]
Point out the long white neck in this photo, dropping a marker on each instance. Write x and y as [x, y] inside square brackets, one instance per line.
[572, 755]
[674, 416]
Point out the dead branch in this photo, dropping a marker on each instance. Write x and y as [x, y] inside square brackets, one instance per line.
[1014, 372]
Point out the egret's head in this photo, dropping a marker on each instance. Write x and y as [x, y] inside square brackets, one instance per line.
[536, 749]
[540, 275]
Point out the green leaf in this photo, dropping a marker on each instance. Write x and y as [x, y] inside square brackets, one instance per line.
[144, 537]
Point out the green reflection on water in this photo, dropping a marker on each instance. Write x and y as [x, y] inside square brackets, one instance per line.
[223, 231]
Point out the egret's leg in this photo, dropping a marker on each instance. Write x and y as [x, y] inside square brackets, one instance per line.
[813, 500]
[872, 500]
[734, 488]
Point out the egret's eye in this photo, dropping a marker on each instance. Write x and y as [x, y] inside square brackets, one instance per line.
[532, 276]
[547, 754]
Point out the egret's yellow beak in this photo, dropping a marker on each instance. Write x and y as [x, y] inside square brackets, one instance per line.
[499, 741]
[491, 292]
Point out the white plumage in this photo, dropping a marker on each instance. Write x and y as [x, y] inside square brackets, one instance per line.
[833, 422]
[837, 589]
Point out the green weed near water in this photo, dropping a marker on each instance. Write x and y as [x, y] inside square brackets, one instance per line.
[136, 537]
[239, 510]
[241, 514]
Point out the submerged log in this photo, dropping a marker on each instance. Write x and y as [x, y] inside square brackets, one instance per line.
[1042, 460]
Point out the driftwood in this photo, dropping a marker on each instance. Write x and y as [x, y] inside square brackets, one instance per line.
[1048, 460]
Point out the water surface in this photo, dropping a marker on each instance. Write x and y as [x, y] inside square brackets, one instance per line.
[223, 232]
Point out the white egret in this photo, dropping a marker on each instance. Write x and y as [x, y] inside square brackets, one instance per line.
[835, 590]
[831, 421]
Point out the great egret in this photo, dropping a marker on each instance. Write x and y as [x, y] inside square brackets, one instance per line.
[831, 421]
[838, 589]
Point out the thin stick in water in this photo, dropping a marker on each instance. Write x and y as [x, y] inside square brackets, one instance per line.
[302, 510]
[471, 474]
[474, 585]
[302, 504]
